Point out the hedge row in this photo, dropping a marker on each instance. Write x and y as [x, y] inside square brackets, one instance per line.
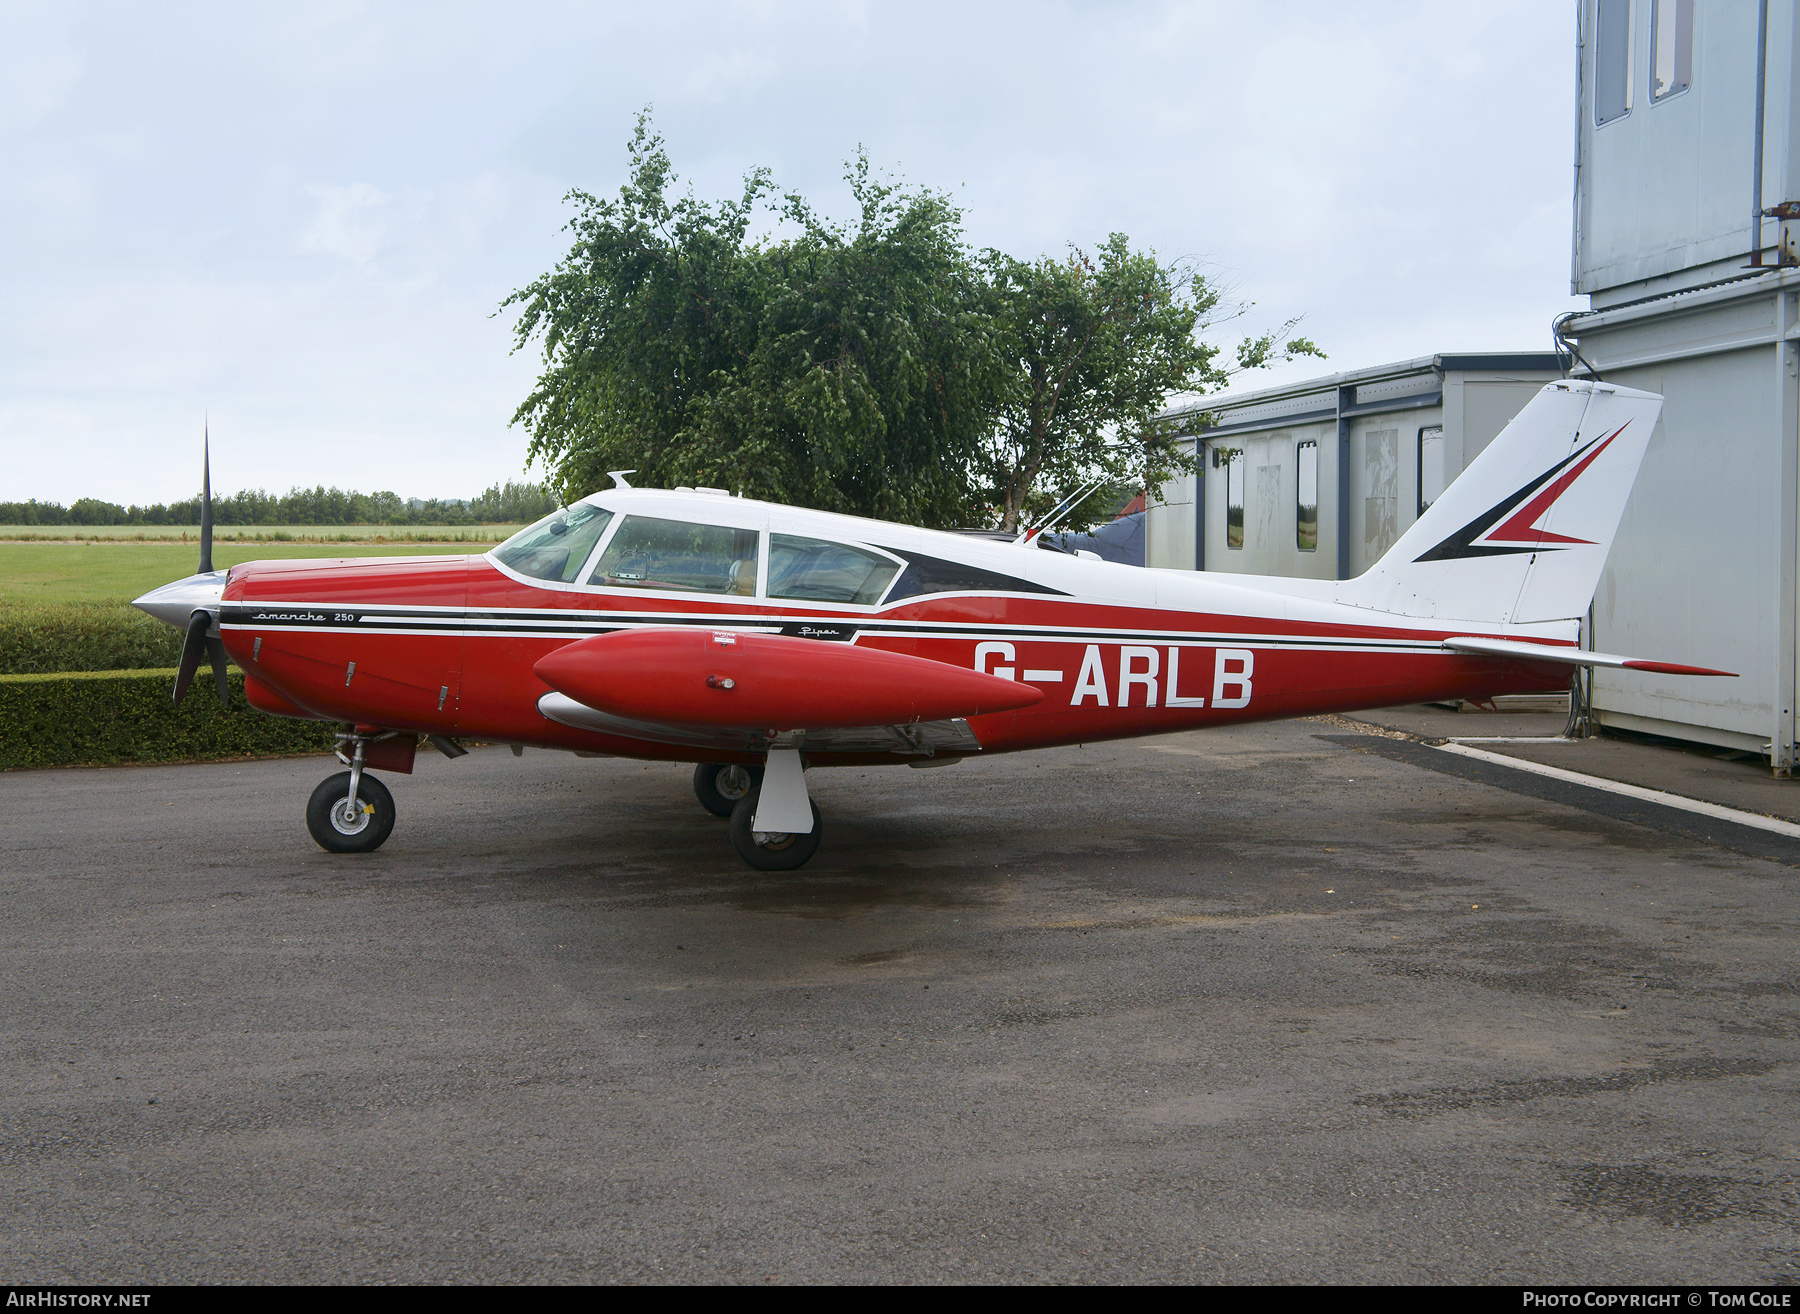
[40, 638]
[100, 717]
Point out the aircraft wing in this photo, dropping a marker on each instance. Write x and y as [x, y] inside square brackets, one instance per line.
[1539, 652]
[735, 691]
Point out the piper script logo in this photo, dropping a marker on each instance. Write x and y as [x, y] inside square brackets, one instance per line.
[1133, 675]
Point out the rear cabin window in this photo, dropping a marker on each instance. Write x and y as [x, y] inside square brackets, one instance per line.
[678, 556]
[813, 570]
[557, 547]
[925, 574]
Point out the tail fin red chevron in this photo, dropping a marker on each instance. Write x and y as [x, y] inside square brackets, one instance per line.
[1523, 533]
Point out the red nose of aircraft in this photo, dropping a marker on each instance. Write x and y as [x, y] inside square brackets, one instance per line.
[722, 678]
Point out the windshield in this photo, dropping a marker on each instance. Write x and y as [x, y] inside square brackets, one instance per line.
[556, 547]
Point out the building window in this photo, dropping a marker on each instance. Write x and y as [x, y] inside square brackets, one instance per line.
[1431, 466]
[1612, 60]
[1306, 501]
[1671, 47]
[1232, 458]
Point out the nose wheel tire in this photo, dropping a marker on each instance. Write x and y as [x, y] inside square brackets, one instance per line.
[720, 787]
[770, 850]
[338, 827]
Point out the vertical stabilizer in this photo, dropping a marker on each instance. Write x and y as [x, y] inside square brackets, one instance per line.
[1523, 533]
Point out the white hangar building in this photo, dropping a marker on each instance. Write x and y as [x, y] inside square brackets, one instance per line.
[1317, 479]
[1687, 243]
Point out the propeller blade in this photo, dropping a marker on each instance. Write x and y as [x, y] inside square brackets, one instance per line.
[191, 648]
[206, 564]
[215, 649]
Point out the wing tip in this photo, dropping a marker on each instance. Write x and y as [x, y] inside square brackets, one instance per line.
[1672, 668]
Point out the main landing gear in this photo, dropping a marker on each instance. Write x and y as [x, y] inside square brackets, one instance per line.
[351, 812]
[771, 850]
[774, 824]
[720, 787]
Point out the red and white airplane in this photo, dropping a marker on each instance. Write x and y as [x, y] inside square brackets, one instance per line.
[760, 640]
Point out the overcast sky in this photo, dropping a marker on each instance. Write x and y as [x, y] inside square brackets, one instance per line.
[301, 220]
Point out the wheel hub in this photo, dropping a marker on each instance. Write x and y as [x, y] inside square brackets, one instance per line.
[351, 817]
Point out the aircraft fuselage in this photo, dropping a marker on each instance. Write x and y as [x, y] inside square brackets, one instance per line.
[447, 645]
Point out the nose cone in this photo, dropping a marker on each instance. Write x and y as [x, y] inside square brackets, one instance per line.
[174, 603]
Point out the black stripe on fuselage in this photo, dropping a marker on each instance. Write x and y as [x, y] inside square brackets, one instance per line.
[528, 623]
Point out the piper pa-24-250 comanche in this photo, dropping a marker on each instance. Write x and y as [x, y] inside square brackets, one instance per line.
[760, 640]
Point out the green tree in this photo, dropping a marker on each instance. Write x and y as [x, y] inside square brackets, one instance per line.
[92, 511]
[1095, 347]
[848, 367]
[519, 503]
[874, 367]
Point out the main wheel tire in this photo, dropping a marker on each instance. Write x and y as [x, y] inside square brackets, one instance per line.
[773, 851]
[719, 787]
[361, 832]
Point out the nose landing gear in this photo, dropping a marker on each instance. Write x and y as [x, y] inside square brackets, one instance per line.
[342, 822]
[351, 812]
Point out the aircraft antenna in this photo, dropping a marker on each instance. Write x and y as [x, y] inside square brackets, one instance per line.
[1062, 508]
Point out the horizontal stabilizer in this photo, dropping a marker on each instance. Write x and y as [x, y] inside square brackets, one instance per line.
[1539, 652]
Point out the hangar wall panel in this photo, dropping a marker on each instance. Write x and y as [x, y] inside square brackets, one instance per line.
[1691, 577]
[1488, 406]
[1381, 499]
[1169, 526]
[1271, 505]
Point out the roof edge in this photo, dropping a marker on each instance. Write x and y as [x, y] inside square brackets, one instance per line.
[1461, 362]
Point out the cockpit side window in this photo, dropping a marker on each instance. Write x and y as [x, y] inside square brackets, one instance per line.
[679, 556]
[813, 570]
[556, 547]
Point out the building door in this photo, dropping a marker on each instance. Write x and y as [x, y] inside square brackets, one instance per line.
[1380, 494]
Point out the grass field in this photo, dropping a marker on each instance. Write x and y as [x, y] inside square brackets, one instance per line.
[260, 533]
[51, 573]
